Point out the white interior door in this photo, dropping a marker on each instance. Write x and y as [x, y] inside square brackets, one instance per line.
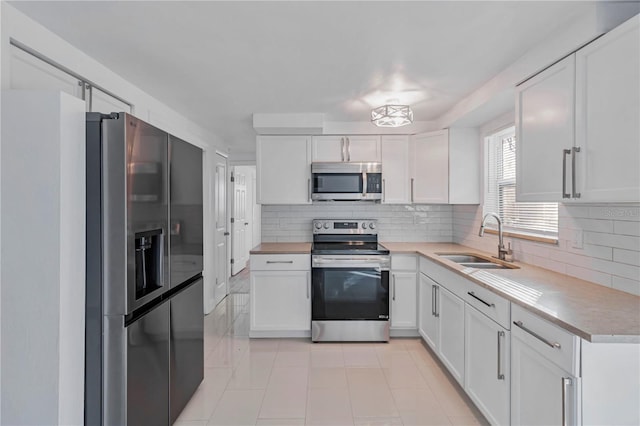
[239, 221]
[256, 234]
[221, 234]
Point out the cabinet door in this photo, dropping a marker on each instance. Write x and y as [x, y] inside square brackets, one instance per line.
[395, 170]
[544, 127]
[403, 299]
[538, 387]
[280, 300]
[363, 148]
[283, 169]
[428, 322]
[328, 148]
[487, 374]
[607, 125]
[450, 314]
[430, 168]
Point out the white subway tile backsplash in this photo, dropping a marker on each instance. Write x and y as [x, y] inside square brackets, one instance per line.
[589, 275]
[623, 212]
[627, 228]
[624, 284]
[395, 222]
[629, 257]
[612, 240]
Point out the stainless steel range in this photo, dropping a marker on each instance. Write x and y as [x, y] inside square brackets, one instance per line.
[350, 282]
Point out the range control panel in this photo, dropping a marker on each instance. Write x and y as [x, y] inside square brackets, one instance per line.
[345, 226]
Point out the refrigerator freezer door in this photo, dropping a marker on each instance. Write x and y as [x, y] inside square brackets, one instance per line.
[148, 368]
[187, 346]
[185, 174]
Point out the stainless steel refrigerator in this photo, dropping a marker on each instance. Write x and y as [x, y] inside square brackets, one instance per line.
[144, 329]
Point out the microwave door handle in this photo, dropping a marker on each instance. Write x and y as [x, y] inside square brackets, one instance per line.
[364, 184]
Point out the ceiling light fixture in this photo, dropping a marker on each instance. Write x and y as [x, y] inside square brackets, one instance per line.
[392, 115]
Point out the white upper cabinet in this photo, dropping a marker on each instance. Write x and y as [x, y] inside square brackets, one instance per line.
[544, 130]
[395, 173]
[346, 148]
[445, 167]
[283, 169]
[577, 124]
[430, 168]
[607, 116]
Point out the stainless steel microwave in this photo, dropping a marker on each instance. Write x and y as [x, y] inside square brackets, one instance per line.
[346, 181]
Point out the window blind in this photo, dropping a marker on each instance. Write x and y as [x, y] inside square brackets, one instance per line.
[500, 191]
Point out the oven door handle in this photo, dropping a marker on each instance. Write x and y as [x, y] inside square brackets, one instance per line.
[359, 262]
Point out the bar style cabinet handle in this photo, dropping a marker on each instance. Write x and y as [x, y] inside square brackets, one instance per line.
[437, 314]
[308, 285]
[566, 381]
[412, 190]
[433, 300]
[500, 373]
[342, 147]
[348, 149]
[394, 287]
[384, 191]
[574, 194]
[537, 336]
[565, 152]
[309, 188]
[488, 305]
[279, 261]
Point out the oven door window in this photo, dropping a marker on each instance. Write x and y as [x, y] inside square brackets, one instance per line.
[350, 294]
[337, 183]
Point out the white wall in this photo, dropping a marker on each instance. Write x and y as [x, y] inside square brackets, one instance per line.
[17, 26]
[43, 251]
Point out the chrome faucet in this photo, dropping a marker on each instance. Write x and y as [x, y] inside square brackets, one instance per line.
[502, 252]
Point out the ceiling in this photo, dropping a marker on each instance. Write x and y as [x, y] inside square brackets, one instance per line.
[220, 62]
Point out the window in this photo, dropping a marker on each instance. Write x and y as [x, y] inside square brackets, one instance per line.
[534, 219]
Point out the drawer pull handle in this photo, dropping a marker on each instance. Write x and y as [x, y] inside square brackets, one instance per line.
[279, 261]
[537, 336]
[489, 305]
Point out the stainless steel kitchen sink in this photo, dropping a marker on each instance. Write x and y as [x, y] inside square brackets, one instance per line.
[463, 258]
[473, 261]
[484, 265]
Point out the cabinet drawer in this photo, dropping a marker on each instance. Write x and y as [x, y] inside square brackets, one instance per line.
[280, 262]
[405, 262]
[495, 307]
[556, 344]
[445, 277]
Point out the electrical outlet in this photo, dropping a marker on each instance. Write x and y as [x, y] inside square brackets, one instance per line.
[577, 240]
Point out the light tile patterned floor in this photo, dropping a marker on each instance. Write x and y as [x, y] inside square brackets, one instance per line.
[295, 382]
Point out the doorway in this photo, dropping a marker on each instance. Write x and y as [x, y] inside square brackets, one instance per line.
[245, 222]
[220, 228]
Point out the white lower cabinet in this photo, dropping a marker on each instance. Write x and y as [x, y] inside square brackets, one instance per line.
[427, 320]
[280, 298]
[403, 295]
[450, 312]
[403, 300]
[487, 369]
[442, 324]
[542, 393]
